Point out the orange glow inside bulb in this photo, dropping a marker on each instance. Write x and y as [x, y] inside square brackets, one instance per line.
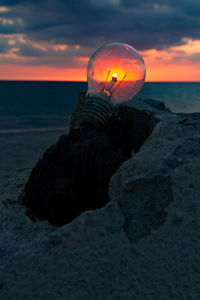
[117, 69]
[116, 72]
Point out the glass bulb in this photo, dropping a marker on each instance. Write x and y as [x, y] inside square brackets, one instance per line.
[115, 72]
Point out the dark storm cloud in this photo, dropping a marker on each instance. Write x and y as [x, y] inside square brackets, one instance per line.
[143, 24]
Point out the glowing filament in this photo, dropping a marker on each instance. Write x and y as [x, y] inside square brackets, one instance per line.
[111, 84]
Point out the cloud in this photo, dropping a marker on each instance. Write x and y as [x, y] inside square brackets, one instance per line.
[5, 21]
[89, 23]
[44, 53]
[3, 9]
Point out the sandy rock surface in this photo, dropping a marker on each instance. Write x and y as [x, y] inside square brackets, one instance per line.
[144, 244]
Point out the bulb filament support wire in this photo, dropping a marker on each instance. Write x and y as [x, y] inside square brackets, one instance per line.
[109, 92]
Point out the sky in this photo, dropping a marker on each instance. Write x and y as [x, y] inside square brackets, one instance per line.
[54, 39]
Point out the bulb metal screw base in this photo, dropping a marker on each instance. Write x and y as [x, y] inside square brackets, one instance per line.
[91, 110]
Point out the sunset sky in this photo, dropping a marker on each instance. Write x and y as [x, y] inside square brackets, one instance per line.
[54, 39]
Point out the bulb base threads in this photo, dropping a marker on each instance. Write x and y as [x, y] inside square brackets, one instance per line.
[91, 110]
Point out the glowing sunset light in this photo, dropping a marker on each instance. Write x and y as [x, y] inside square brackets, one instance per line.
[175, 63]
[116, 71]
[119, 73]
[65, 41]
[40, 73]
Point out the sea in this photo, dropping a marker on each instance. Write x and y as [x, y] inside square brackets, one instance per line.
[34, 114]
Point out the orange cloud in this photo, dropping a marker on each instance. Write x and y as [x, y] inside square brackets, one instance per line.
[5, 21]
[190, 46]
[84, 59]
[11, 42]
[60, 47]
[13, 55]
[175, 63]
[4, 9]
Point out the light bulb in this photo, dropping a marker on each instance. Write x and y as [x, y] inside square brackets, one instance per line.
[115, 73]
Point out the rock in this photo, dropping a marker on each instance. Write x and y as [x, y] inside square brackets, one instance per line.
[144, 244]
[149, 176]
[74, 174]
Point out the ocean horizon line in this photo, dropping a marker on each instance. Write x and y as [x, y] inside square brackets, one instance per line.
[77, 81]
